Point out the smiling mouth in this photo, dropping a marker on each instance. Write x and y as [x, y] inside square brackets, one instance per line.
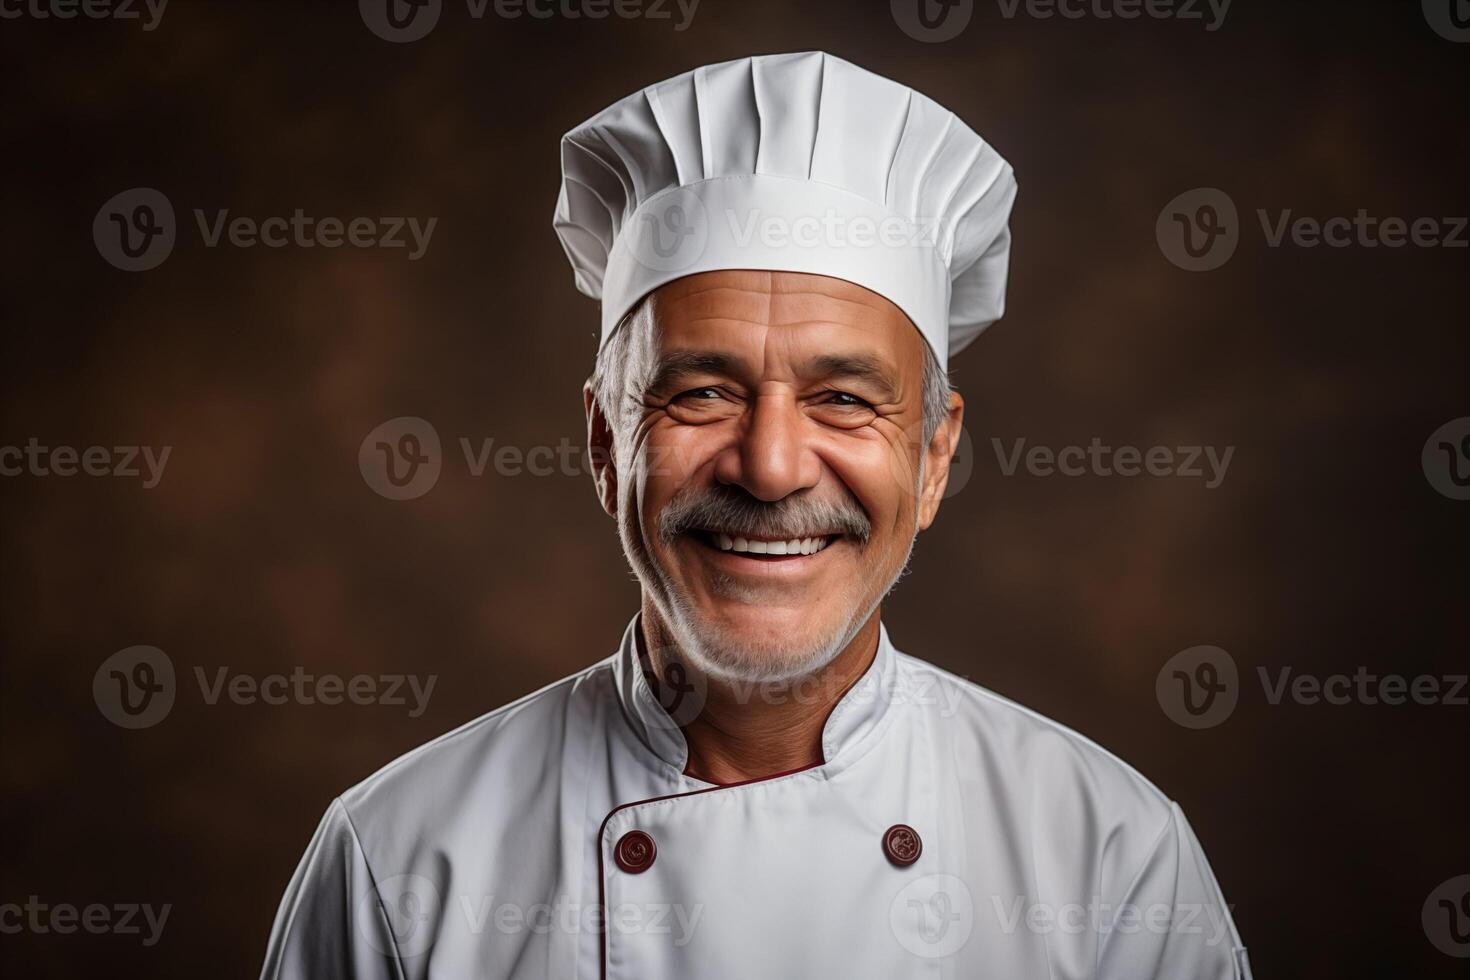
[765, 548]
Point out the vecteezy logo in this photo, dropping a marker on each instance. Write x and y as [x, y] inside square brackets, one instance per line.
[670, 231]
[933, 916]
[400, 21]
[401, 458]
[134, 688]
[961, 465]
[1446, 459]
[1198, 687]
[1446, 917]
[135, 230]
[398, 917]
[678, 226]
[680, 691]
[675, 688]
[1449, 18]
[932, 21]
[1198, 230]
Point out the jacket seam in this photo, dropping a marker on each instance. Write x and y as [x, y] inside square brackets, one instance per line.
[1153, 851]
[373, 880]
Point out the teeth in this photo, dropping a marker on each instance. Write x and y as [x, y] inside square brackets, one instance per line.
[793, 546]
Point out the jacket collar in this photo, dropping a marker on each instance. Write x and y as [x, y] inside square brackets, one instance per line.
[857, 720]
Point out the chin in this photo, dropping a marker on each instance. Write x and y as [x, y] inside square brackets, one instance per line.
[738, 631]
[749, 644]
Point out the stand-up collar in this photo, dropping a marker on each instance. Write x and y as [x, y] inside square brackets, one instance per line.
[857, 719]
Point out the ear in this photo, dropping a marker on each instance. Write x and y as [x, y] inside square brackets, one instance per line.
[937, 456]
[600, 452]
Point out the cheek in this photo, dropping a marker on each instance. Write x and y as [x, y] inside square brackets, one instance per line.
[875, 470]
[670, 457]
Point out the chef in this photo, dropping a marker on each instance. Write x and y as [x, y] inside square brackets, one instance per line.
[757, 783]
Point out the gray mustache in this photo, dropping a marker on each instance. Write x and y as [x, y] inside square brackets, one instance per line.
[735, 512]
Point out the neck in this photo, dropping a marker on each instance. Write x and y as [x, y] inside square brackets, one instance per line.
[752, 729]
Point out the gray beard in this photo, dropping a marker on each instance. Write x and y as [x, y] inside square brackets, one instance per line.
[739, 659]
[732, 658]
[736, 659]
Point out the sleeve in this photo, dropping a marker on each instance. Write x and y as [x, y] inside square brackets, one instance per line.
[331, 925]
[1172, 923]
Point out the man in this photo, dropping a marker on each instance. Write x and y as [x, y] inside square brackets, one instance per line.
[757, 784]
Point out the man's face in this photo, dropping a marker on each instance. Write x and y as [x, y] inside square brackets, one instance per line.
[767, 482]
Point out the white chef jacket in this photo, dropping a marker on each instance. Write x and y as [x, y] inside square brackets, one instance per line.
[558, 837]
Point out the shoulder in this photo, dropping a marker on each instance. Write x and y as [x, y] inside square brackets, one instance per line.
[1081, 813]
[1052, 765]
[505, 753]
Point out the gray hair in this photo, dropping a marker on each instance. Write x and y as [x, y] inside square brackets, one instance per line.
[626, 359]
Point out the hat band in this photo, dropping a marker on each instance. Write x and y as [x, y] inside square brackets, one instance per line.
[780, 224]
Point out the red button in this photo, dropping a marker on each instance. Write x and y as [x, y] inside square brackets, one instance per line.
[902, 845]
[635, 852]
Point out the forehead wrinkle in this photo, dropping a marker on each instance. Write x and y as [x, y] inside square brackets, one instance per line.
[725, 318]
[841, 310]
[771, 301]
[739, 310]
[786, 346]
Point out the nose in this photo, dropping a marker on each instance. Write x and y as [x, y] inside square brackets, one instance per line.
[772, 457]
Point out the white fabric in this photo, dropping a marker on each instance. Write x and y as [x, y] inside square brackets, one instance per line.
[793, 162]
[488, 852]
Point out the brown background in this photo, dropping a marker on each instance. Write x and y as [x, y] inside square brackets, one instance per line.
[262, 549]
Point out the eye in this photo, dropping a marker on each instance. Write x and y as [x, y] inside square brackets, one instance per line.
[843, 399]
[700, 394]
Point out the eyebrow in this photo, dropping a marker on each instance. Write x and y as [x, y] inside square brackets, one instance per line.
[863, 367]
[676, 364]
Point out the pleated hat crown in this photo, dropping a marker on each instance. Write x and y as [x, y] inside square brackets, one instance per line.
[792, 162]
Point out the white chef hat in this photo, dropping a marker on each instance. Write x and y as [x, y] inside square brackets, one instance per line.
[792, 162]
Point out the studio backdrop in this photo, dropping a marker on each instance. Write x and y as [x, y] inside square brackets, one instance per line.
[294, 457]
